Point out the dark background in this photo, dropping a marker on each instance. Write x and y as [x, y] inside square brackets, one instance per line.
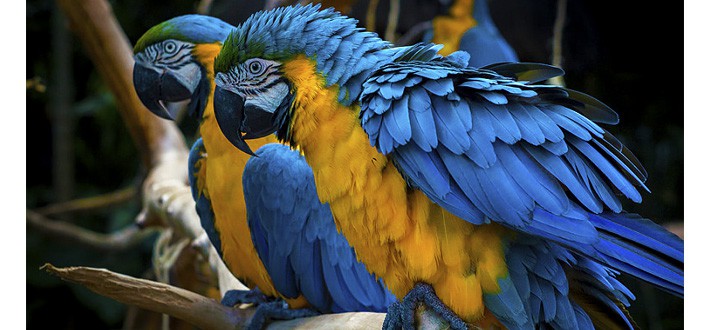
[625, 56]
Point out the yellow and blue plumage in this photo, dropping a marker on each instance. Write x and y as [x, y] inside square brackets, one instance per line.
[477, 187]
[270, 231]
[468, 26]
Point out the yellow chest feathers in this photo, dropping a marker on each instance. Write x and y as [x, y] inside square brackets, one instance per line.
[396, 231]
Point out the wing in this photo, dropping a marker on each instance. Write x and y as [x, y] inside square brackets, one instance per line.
[483, 41]
[196, 167]
[297, 240]
[488, 147]
[549, 285]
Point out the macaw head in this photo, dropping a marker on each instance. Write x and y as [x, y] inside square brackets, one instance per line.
[255, 79]
[174, 62]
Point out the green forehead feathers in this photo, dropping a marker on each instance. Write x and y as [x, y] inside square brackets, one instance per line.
[283, 32]
[196, 29]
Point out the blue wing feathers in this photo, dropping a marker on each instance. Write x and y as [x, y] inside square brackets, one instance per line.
[203, 206]
[545, 290]
[528, 156]
[537, 183]
[296, 237]
[529, 129]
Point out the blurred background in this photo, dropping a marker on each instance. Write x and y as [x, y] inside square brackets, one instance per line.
[79, 147]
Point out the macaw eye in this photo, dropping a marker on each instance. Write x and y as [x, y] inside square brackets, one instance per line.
[169, 47]
[255, 67]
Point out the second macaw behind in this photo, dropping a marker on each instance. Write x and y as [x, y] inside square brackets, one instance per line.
[470, 27]
[262, 214]
[477, 191]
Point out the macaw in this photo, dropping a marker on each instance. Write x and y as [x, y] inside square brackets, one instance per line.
[479, 192]
[470, 27]
[262, 214]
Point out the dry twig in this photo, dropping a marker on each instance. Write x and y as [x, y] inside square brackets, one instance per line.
[166, 196]
[558, 30]
[117, 241]
[88, 204]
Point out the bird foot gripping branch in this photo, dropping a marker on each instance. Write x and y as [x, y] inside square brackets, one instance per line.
[402, 314]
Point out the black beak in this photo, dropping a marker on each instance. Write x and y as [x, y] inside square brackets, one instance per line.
[229, 111]
[240, 121]
[155, 88]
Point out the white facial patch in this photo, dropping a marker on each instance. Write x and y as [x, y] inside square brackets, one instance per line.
[189, 75]
[270, 99]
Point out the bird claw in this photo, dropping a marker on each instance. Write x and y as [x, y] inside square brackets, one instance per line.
[235, 297]
[276, 310]
[401, 314]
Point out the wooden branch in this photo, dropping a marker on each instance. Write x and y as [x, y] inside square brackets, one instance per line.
[108, 47]
[342, 321]
[116, 241]
[371, 15]
[414, 34]
[558, 30]
[203, 7]
[200, 311]
[166, 196]
[162, 298]
[677, 228]
[392, 21]
[90, 203]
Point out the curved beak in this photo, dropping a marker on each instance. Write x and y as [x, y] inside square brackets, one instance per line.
[156, 88]
[229, 112]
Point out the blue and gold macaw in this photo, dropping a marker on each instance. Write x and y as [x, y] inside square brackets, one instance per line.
[272, 232]
[470, 27]
[490, 198]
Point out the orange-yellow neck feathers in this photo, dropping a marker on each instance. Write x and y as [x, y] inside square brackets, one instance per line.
[205, 54]
[222, 171]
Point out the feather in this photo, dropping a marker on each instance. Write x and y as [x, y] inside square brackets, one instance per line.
[297, 240]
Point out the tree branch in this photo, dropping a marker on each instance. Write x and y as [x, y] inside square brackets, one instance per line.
[116, 241]
[203, 7]
[193, 308]
[414, 34]
[677, 228]
[90, 203]
[392, 21]
[162, 298]
[558, 29]
[166, 196]
[108, 47]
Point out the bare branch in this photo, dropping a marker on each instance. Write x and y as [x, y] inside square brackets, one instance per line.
[344, 321]
[108, 47]
[166, 196]
[392, 21]
[117, 241]
[203, 8]
[558, 29]
[90, 203]
[371, 15]
[414, 34]
[193, 308]
[677, 228]
[162, 298]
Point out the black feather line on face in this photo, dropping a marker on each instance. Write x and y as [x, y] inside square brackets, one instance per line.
[282, 114]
